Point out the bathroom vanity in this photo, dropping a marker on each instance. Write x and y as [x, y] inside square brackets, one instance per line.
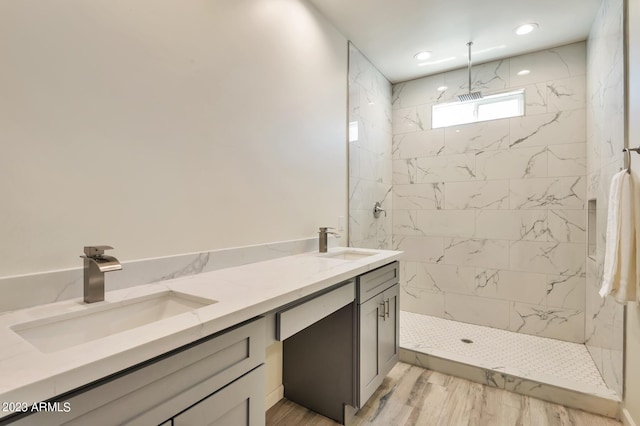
[335, 365]
[208, 362]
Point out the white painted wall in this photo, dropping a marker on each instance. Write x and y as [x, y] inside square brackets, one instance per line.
[632, 349]
[164, 127]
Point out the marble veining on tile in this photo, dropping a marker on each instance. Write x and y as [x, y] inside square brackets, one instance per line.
[512, 163]
[483, 136]
[567, 193]
[426, 196]
[547, 321]
[449, 168]
[552, 128]
[490, 194]
[418, 144]
[371, 173]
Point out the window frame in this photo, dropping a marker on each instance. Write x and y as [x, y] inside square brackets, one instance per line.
[518, 95]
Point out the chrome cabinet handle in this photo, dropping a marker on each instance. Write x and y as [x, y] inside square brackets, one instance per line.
[385, 309]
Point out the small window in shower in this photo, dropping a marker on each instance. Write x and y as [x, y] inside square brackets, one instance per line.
[592, 220]
[492, 107]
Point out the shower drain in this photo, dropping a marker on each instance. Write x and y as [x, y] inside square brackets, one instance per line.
[466, 340]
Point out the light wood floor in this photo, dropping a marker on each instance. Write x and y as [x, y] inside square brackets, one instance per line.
[411, 395]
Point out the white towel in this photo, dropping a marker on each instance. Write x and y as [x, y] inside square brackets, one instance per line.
[619, 275]
[612, 235]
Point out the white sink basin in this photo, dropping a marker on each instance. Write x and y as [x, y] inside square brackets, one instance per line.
[63, 331]
[349, 255]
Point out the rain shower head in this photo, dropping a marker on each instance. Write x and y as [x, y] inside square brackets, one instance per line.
[471, 96]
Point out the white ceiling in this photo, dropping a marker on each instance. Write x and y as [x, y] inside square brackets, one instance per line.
[391, 32]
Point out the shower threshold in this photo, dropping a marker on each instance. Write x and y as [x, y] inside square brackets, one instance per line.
[548, 369]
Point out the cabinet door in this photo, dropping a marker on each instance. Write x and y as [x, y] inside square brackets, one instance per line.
[369, 339]
[378, 340]
[388, 343]
[241, 403]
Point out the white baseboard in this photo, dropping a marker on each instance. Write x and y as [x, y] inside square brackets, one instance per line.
[626, 418]
[277, 395]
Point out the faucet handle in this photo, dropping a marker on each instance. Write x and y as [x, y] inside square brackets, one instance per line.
[93, 251]
[325, 230]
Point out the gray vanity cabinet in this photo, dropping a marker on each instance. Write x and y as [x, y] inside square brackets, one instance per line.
[378, 328]
[219, 378]
[334, 363]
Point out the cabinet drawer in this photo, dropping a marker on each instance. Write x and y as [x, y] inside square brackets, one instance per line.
[241, 403]
[377, 281]
[299, 317]
[153, 393]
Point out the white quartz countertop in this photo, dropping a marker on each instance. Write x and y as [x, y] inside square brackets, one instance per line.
[243, 292]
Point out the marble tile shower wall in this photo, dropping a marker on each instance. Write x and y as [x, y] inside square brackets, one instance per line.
[491, 216]
[369, 153]
[604, 327]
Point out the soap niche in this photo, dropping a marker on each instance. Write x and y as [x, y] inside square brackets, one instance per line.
[592, 220]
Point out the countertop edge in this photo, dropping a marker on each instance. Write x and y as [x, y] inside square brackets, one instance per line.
[64, 379]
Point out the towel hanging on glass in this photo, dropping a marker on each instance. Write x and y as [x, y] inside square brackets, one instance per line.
[621, 269]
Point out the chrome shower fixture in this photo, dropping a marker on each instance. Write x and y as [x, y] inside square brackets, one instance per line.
[471, 96]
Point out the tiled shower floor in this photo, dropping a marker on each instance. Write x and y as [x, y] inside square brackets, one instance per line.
[533, 357]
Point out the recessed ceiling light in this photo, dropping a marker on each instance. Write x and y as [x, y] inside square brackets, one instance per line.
[525, 28]
[422, 56]
[524, 72]
[442, 88]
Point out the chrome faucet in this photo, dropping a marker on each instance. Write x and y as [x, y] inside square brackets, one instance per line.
[96, 263]
[322, 234]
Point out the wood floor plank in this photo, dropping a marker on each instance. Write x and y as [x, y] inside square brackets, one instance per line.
[582, 418]
[413, 396]
[456, 409]
[537, 414]
[499, 407]
[439, 378]
[428, 413]
[557, 415]
[401, 398]
[477, 402]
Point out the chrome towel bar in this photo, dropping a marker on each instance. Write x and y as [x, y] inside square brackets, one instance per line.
[627, 157]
